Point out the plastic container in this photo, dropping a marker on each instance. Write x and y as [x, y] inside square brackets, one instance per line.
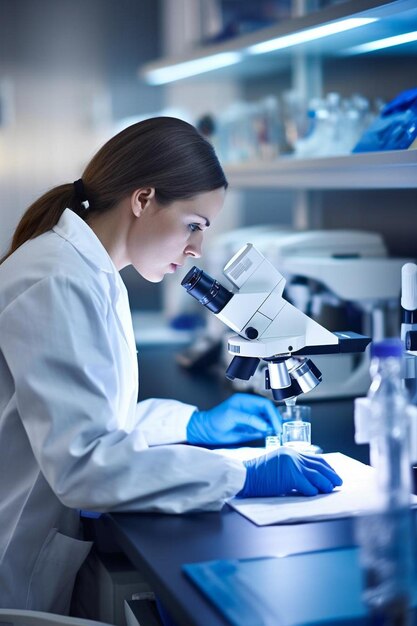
[386, 537]
[389, 424]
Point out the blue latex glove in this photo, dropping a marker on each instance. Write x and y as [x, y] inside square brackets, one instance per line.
[284, 470]
[243, 417]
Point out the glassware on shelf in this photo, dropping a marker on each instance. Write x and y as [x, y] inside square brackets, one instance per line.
[297, 122]
[236, 141]
[269, 130]
[251, 131]
[271, 127]
[336, 125]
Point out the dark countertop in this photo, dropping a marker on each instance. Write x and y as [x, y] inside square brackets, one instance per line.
[159, 545]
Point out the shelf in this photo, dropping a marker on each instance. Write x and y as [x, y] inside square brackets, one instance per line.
[371, 170]
[392, 18]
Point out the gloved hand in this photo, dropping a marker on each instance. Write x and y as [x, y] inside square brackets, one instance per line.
[243, 417]
[284, 470]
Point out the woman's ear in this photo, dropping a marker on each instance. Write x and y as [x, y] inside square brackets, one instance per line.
[141, 199]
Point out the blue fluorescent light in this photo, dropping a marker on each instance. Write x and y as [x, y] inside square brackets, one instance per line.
[380, 44]
[318, 32]
[191, 68]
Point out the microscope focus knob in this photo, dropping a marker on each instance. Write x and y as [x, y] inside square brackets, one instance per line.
[411, 340]
[251, 332]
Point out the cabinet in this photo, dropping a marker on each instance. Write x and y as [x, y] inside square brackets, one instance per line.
[305, 56]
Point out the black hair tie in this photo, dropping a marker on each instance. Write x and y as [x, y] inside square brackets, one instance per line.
[80, 193]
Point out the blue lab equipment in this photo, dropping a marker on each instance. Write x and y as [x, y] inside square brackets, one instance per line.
[242, 417]
[284, 470]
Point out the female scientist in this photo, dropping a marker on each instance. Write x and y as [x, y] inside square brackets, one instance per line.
[72, 435]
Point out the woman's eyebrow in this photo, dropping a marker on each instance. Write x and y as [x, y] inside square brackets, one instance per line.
[207, 221]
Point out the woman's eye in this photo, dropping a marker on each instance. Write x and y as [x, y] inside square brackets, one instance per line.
[194, 227]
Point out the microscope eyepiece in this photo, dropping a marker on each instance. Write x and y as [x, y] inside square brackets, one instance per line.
[207, 290]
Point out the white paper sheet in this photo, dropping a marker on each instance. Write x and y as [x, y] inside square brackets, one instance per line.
[358, 494]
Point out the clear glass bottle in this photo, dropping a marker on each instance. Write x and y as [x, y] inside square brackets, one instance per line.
[389, 427]
[386, 537]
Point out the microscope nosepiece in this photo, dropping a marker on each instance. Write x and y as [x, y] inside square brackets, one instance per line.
[302, 375]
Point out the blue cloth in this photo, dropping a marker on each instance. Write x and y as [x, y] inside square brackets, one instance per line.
[243, 417]
[284, 470]
[395, 128]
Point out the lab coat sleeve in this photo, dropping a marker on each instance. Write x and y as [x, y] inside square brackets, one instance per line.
[54, 339]
[163, 421]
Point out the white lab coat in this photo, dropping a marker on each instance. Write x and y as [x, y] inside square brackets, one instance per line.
[72, 435]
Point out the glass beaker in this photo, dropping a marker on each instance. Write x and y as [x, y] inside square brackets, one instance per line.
[296, 434]
[272, 442]
[296, 427]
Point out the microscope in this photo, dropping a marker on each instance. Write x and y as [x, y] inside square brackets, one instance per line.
[268, 327]
[339, 278]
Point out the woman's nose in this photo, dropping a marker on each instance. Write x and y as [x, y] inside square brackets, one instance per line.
[194, 250]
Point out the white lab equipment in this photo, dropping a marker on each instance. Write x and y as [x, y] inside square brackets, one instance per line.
[362, 414]
[409, 327]
[268, 326]
[329, 274]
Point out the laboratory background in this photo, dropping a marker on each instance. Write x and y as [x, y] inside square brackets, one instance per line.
[311, 106]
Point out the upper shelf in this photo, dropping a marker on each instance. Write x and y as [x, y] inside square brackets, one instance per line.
[244, 58]
[371, 170]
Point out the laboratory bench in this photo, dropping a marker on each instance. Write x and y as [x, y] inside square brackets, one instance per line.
[159, 545]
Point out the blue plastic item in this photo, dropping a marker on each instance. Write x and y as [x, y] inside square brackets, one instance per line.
[387, 347]
[297, 590]
[395, 128]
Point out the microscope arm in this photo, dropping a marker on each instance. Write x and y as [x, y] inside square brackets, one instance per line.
[346, 342]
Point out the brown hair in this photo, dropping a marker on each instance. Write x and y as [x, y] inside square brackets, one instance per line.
[163, 152]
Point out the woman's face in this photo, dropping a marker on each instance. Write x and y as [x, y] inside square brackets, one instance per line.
[162, 238]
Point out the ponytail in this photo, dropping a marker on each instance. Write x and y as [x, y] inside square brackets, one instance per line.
[43, 215]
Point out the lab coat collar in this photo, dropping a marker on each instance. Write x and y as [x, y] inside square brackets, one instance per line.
[72, 228]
